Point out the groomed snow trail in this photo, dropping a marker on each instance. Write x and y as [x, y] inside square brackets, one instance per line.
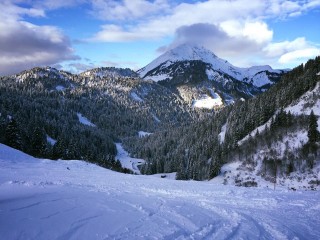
[42, 199]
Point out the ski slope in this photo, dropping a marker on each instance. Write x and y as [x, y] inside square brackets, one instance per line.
[43, 199]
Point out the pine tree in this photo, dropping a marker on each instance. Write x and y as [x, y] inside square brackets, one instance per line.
[313, 133]
[38, 142]
[13, 135]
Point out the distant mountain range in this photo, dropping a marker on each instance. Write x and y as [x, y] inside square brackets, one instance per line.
[194, 74]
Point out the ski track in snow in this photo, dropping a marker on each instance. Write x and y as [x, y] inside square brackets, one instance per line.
[43, 199]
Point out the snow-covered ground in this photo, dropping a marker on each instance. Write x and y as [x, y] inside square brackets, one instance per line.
[85, 120]
[136, 97]
[208, 102]
[310, 101]
[222, 134]
[51, 141]
[43, 199]
[143, 134]
[127, 161]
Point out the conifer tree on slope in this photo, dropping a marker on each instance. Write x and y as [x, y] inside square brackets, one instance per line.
[12, 135]
[313, 133]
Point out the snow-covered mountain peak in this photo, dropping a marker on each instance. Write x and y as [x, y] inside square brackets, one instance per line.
[183, 52]
[189, 52]
[161, 68]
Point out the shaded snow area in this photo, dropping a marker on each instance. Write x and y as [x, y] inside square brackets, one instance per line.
[307, 102]
[135, 97]
[156, 118]
[222, 134]
[237, 174]
[51, 141]
[85, 120]
[127, 161]
[260, 79]
[159, 77]
[43, 199]
[60, 88]
[143, 134]
[259, 129]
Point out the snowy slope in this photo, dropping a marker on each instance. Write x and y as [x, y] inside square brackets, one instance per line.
[42, 199]
[310, 101]
[189, 52]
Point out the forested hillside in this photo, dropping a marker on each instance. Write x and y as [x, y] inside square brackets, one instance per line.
[55, 114]
[198, 151]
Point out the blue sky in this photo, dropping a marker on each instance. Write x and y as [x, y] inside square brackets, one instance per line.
[76, 35]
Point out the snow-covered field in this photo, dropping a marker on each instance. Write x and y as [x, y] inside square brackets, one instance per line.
[43, 199]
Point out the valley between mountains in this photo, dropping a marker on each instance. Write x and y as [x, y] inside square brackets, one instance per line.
[96, 155]
[187, 112]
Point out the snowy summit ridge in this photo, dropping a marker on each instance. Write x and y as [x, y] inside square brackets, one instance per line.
[256, 75]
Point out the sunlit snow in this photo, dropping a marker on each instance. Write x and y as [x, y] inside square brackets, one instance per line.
[208, 102]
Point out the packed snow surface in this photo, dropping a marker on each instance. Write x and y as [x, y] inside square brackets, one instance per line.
[85, 120]
[43, 199]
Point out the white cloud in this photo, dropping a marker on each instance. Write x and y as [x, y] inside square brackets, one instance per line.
[280, 48]
[248, 13]
[257, 31]
[299, 56]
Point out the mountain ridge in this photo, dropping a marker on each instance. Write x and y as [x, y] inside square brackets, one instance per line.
[191, 52]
